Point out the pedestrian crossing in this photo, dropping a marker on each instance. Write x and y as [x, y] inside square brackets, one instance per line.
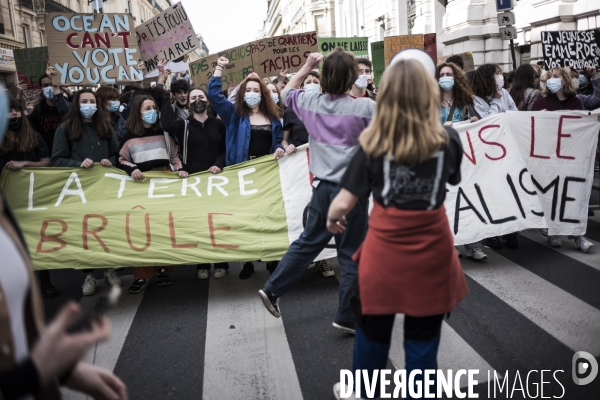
[527, 308]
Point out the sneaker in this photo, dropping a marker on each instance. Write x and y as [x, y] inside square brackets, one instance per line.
[554, 241]
[337, 392]
[326, 269]
[219, 273]
[247, 270]
[162, 278]
[312, 265]
[512, 240]
[476, 253]
[48, 289]
[347, 327]
[493, 243]
[271, 302]
[137, 286]
[272, 266]
[583, 244]
[89, 286]
[543, 231]
[203, 274]
[112, 278]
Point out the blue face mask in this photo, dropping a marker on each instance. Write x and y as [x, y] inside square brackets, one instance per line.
[49, 92]
[582, 80]
[114, 106]
[275, 97]
[252, 99]
[446, 83]
[87, 110]
[554, 84]
[312, 88]
[150, 117]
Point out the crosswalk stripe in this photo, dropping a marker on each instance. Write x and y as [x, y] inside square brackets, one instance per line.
[247, 353]
[570, 320]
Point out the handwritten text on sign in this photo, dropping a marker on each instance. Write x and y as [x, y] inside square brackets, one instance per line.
[523, 170]
[168, 35]
[100, 48]
[31, 64]
[575, 49]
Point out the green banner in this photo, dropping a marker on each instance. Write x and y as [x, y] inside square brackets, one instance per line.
[31, 64]
[100, 217]
[378, 59]
[357, 45]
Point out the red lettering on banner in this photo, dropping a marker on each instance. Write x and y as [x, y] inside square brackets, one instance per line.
[492, 143]
[174, 238]
[473, 160]
[532, 150]
[94, 232]
[212, 229]
[52, 238]
[562, 135]
[148, 236]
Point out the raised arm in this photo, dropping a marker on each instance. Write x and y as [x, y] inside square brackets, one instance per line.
[592, 101]
[312, 62]
[222, 106]
[168, 118]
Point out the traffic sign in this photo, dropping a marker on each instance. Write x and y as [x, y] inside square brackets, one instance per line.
[508, 33]
[506, 19]
[504, 5]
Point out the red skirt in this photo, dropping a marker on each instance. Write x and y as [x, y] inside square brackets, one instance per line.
[408, 265]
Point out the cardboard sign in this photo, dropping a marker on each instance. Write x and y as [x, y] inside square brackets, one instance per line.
[31, 95]
[430, 45]
[467, 58]
[357, 45]
[31, 65]
[100, 48]
[269, 56]
[239, 67]
[394, 44]
[378, 59]
[168, 35]
[575, 49]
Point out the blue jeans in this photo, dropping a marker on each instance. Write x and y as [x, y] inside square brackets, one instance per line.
[314, 239]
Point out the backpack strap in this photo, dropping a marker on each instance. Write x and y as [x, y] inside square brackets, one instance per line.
[451, 113]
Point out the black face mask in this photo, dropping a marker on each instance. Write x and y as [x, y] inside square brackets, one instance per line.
[200, 106]
[14, 123]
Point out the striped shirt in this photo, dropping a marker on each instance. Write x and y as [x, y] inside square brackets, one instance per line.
[147, 152]
[334, 126]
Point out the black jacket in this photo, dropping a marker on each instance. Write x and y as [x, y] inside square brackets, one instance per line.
[46, 119]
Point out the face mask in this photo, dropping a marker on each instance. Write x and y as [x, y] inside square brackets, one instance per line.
[446, 83]
[199, 106]
[554, 84]
[150, 117]
[114, 106]
[499, 83]
[275, 97]
[49, 92]
[575, 82]
[87, 110]
[361, 82]
[14, 123]
[252, 99]
[312, 88]
[582, 80]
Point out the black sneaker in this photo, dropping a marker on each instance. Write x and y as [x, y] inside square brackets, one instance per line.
[137, 286]
[511, 240]
[326, 270]
[348, 327]
[48, 289]
[247, 271]
[270, 301]
[162, 277]
[272, 266]
[493, 243]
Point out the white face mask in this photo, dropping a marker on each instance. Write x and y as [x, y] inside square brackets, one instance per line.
[362, 81]
[575, 83]
[312, 87]
[499, 83]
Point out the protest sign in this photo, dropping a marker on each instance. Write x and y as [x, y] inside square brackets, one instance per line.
[100, 48]
[7, 57]
[239, 67]
[168, 35]
[31, 95]
[430, 45]
[31, 64]
[269, 56]
[575, 49]
[377, 54]
[357, 45]
[393, 44]
[467, 58]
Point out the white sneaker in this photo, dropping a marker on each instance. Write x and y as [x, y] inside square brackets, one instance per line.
[554, 241]
[203, 274]
[476, 254]
[219, 273]
[337, 390]
[583, 244]
[112, 278]
[312, 265]
[89, 286]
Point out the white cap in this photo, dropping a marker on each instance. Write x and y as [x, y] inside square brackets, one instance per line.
[419, 55]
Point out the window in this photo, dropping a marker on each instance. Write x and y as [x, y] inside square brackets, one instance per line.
[26, 38]
[320, 24]
[42, 37]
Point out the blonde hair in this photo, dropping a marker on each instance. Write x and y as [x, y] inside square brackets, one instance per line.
[567, 87]
[406, 125]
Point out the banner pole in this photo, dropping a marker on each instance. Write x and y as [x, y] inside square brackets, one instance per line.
[512, 51]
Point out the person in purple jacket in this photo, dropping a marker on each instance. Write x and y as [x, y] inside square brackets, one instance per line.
[334, 121]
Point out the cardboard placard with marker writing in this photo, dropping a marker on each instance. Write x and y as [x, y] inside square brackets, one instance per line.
[430, 45]
[100, 48]
[31, 64]
[357, 45]
[168, 35]
[467, 58]
[378, 59]
[239, 67]
[394, 44]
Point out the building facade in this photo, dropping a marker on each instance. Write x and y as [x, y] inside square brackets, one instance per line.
[297, 16]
